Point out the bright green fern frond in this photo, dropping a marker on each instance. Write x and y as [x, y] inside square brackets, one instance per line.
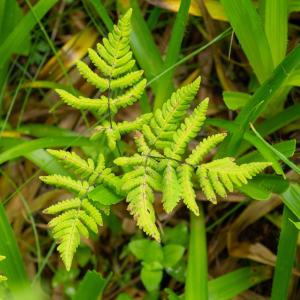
[73, 161]
[167, 119]
[185, 173]
[204, 147]
[65, 182]
[91, 77]
[189, 129]
[63, 205]
[76, 217]
[125, 127]
[126, 80]
[170, 187]
[99, 106]
[223, 174]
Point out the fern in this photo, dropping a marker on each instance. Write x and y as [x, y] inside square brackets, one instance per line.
[162, 163]
[2, 277]
[79, 215]
[114, 62]
[163, 146]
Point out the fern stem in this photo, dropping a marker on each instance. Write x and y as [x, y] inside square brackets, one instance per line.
[196, 287]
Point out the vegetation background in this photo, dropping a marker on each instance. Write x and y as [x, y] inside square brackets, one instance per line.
[248, 57]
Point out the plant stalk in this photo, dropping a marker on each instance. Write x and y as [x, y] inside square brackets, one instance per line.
[196, 286]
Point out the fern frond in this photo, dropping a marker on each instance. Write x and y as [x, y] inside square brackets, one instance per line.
[62, 206]
[189, 129]
[65, 182]
[91, 77]
[126, 80]
[99, 106]
[170, 187]
[223, 174]
[166, 120]
[76, 217]
[73, 161]
[185, 173]
[204, 147]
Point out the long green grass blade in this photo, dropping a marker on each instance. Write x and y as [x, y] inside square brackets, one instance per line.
[249, 29]
[258, 102]
[285, 254]
[291, 199]
[102, 12]
[230, 285]
[165, 85]
[277, 153]
[21, 31]
[27, 147]
[196, 287]
[276, 28]
[12, 266]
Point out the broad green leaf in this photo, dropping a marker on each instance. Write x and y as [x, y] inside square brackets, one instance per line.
[235, 100]
[151, 276]
[104, 195]
[176, 235]
[91, 286]
[147, 251]
[172, 254]
[124, 296]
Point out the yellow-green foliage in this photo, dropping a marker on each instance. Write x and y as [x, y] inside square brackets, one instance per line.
[79, 215]
[162, 163]
[114, 62]
[164, 158]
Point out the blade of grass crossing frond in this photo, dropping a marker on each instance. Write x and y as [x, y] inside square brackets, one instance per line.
[196, 287]
[258, 102]
[29, 146]
[143, 45]
[276, 28]
[102, 12]
[165, 85]
[12, 266]
[277, 153]
[285, 254]
[249, 30]
[230, 285]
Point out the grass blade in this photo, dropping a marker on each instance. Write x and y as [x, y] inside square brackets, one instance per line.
[27, 147]
[196, 280]
[21, 31]
[277, 153]
[248, 27]
[285, 254]
[276, 28]
[165, 85]
[230, 285]
[260, 100]
[12, 266]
